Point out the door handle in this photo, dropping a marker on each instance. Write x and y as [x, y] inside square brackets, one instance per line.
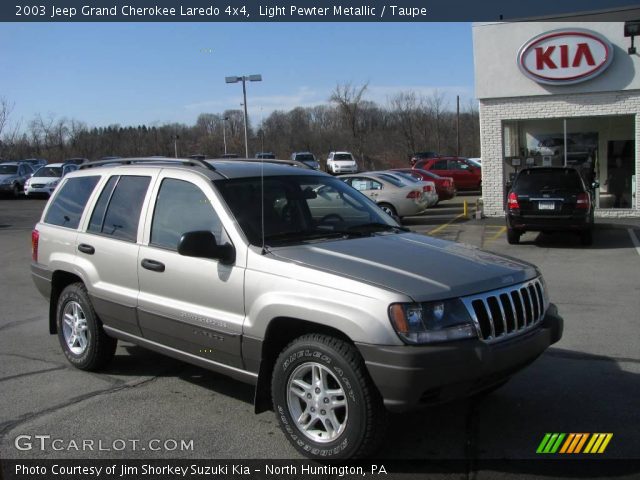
[152, 265]
[88, 249]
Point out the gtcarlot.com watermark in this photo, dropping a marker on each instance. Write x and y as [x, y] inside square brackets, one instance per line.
[45, 443]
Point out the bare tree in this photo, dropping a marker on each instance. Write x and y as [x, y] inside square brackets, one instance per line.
[349, 100]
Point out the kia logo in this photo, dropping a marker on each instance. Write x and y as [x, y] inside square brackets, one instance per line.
[565, 56]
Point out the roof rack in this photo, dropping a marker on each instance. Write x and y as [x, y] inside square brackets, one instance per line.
[192, 162]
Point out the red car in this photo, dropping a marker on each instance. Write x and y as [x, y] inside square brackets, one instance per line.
[466, 175]
[445, 187]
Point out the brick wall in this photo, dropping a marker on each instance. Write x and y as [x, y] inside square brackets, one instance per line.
[494, 111]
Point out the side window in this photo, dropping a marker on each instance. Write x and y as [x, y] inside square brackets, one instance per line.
[440, 165]
[181, 207]
[69, 203]
[117, 212]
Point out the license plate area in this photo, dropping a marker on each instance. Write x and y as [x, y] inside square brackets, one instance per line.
[546, 206]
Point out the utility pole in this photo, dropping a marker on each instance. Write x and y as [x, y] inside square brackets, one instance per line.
[457, 125]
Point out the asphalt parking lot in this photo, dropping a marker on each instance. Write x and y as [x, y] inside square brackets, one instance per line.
[588, 382]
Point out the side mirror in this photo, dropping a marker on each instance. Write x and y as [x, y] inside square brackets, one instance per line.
[202, 244]
[595, 185]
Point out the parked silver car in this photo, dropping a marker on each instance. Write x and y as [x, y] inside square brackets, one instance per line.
[395, 197]
[290, 280]
[429, 192]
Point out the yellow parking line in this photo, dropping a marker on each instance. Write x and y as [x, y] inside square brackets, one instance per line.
[500, 232]
[445, 225]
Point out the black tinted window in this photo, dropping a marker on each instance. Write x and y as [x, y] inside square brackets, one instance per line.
[97, 217]
[123, 209]
[534, 181]
[181, 207]
[69, 203]
[440, 165]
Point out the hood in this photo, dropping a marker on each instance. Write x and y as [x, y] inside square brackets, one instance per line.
[45, 180]
[424, 268]
[5, 177]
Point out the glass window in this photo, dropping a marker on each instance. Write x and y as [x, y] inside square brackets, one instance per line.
[169, 219]
[97, 217]
[8, 169]
[69, 203]
[123, 209]
[439, 165]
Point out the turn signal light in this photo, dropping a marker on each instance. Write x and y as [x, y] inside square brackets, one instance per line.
[513, 201]
[426, 188]
[582, 200]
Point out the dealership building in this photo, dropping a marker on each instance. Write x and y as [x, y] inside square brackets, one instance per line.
[561, 93]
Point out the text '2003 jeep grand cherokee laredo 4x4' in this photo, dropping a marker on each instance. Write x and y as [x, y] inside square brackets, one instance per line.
[286, 278]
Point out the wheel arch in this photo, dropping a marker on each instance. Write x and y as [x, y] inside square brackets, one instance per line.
[60, 280]
[280, 332]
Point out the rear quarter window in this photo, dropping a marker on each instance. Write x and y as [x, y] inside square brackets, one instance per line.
[68, 205]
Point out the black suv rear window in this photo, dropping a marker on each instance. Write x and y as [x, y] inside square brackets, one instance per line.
[558, 180]
[69, 203]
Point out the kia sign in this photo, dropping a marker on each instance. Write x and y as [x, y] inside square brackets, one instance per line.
[565, 56]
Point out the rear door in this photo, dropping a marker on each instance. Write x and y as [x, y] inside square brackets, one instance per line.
[195, 305]
[107, 251]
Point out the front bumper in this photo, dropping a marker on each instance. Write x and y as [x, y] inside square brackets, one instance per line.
[412, 376]
[45, 190]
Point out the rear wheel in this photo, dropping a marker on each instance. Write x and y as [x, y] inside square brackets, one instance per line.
[83, 340]
[513, 236]
[388, 209]
[586, 237]
[325, 401]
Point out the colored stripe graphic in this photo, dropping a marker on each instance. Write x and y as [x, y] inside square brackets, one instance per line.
[596, 443]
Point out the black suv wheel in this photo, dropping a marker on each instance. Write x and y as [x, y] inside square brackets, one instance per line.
[513, 236]
[325, 401]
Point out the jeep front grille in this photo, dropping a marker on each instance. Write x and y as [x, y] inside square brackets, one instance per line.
[504, 313]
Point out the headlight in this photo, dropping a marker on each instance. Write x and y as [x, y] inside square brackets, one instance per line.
[6, 181]
[27, 182]
[54, 183]
[432, 322]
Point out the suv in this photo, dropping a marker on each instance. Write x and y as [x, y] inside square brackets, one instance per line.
[13, 176]
[318, 298]
[341, 162]
[547, 199]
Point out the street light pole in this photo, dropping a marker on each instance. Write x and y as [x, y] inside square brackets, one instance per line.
[243, 79]
[224, 133]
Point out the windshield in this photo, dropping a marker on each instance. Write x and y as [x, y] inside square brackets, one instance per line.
[305, 157]
[8, 169]
[301, 208]
[531, 182]
[342, 156]
[48, 172]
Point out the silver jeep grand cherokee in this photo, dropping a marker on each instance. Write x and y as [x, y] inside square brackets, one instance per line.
[288, 279]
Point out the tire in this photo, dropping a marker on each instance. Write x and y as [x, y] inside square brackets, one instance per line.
[15, 190]
[353, 428]
[513, 236]
[388, 208]
[586, 237]
[92, 348]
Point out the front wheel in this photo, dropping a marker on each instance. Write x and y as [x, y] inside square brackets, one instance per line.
[388, 209]
[325, 401]
[83, 340]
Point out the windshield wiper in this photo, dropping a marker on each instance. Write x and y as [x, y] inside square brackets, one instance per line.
[376, 226]
[303, 236]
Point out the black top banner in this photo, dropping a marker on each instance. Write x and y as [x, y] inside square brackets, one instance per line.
[298, 10]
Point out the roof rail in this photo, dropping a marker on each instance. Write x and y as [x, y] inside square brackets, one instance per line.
[189, 162]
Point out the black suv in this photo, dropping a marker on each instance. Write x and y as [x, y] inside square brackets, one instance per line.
[547, 199]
